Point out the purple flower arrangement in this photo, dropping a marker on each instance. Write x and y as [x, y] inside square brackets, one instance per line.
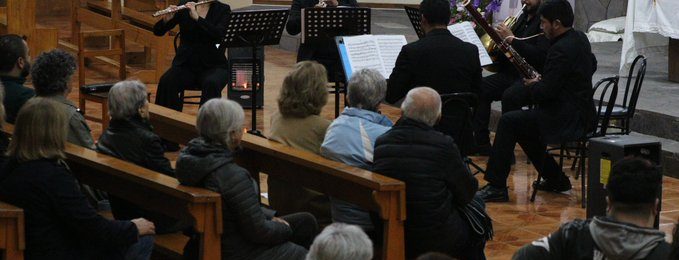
[485, 7]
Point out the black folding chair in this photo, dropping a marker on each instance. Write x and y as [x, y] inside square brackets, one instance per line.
[622, 115]
[580, 146]
[457, 112]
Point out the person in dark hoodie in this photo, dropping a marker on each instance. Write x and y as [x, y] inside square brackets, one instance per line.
[249, 231]
[625, 233]
[129, 110]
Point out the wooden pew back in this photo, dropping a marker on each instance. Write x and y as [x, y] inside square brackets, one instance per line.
[12, 240]
[372, 191]
[152, 190]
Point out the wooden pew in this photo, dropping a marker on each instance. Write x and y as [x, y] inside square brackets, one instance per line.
[372, 191]
[19, 17]
[12, 241]
[152, 190]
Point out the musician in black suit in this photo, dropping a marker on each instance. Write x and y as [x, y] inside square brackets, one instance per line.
[198, 62]
[507, 84]
[565, 109]
[323, 52]
[439, 60]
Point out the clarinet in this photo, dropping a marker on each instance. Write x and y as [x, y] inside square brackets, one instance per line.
[526, 70]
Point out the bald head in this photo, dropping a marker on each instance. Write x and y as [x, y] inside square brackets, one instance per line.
[422, 104]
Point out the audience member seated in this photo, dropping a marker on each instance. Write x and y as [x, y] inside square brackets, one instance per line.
[625, 233]
[438, 184]
[51, 74]
[14, 68]
[129, 110]
[351, 138]
[4, 140]
[60, 223]
[341, 242]
[208, 161]
[298, 124]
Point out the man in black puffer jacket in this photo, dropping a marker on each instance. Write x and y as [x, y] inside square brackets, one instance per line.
[437, 181]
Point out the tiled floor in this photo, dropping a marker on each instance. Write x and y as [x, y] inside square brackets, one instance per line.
[516, 223]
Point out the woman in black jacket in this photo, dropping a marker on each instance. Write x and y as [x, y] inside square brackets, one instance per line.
[198, 61]
[249, 232]
[130, 137]
[60, 223]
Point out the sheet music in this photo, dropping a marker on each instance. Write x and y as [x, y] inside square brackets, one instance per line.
[389, 48]
[362, 52]
[466, 33]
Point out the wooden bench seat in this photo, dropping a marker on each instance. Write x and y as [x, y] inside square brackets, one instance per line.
[369, 190]
[153, 191]
[171, 245]
[12, 239]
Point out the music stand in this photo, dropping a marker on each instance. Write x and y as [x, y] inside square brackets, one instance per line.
[320, 25]
[254, 29]
[415, 16]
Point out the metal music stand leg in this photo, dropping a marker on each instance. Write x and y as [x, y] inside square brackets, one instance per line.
[253, 96]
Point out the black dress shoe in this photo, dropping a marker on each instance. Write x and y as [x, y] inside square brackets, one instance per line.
[560, 185]
[492, 194]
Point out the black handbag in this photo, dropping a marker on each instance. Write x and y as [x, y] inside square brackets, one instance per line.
[477, 218]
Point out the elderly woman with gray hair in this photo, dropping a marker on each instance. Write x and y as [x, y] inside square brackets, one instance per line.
[351, 137]
[299, 124]
[341, 242]
[130, 137]
[208, 162]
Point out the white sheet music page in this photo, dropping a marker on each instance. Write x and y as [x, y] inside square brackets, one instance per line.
[465, 32]
[390, 46]
[363, 53]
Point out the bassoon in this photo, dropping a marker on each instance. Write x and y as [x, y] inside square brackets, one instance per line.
[526, 70]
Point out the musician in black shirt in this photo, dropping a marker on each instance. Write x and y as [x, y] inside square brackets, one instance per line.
[507, 80]
[198, 62]
[323, 52]
[564, 107]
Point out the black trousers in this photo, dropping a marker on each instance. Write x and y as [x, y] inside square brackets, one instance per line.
[519, 126]
[494, 88]
[210, 81]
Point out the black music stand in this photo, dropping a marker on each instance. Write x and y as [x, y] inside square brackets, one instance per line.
[415, 16]
[254, 29]
[320, 25]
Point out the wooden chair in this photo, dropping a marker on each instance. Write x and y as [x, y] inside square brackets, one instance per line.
[369, 190]
[116, 37]
[12, 239]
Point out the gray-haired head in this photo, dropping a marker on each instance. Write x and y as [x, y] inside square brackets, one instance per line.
[219, 120]
[341, 242]
[125, 99]
[422, 104]
[366, 89]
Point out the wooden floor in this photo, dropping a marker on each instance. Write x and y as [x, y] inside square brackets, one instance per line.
[516, 223]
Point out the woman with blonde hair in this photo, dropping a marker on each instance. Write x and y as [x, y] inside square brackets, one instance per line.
[208, 161]
[298, 124]
[60, 223]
